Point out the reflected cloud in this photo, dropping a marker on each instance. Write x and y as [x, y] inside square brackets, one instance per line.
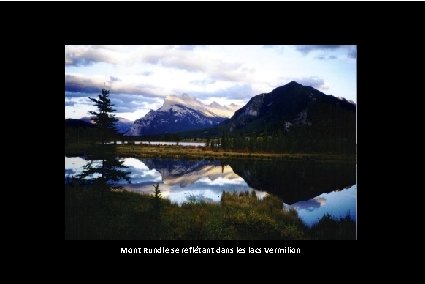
[205, 180]
[180, 181]
[337, 203]
[221, 181]
[140, 174]
[134, 163]
[75, 166]
[310, 205]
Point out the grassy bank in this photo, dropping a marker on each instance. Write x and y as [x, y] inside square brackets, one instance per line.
[96, 213]
[147, 151]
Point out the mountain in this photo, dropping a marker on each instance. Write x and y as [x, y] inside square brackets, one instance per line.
[75, 123]
[212, 110]
[123, 125]
[176, 118]
[289, 106]
[223, 111]
[180, 113]
[300, 117]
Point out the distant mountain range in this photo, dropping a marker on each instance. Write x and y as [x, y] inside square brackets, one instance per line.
[181, 113]
[75, 123]
[122, 125]
[300, 117]
[214, 109]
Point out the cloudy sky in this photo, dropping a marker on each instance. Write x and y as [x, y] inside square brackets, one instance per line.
[139, 77]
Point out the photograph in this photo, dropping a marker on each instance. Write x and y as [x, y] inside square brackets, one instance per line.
[211, 142]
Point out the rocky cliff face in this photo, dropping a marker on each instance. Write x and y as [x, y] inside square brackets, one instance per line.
[180, 113]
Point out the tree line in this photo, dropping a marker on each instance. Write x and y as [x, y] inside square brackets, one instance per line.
[299, 140]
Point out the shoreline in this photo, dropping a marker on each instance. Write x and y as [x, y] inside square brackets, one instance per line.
[177, 152]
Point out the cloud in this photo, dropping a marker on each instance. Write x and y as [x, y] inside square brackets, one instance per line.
[125, 97]
[77, 55]
[349, 50]
[114, 79]
[184, 62]
[230, 72]
[130, 103]
[305, 49]
[186, 59]
[234, 92]
[80, 100]
[145, 73]
[122, 102]
[187, 47]
[69, 95]
[220, 181]
[310, 205]
[76, 84]
[202, 82]
[278, 48]
[139, 77]
[324, 57]
[93, 85]
[313, 81]
[352, 53]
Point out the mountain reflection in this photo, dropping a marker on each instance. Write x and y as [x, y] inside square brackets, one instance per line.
[182, 180]
[185, 180]
[338, 203]
[295, 181]
[311, 188]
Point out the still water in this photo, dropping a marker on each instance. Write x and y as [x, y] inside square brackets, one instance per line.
[311, 188]
[167, 143]
[338, 203]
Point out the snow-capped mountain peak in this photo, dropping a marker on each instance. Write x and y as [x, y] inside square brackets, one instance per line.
[212, 110]
[184, 100]
[181, 113]
[215, 104]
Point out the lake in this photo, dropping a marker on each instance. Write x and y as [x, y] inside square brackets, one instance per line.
[167, 143]
[311, 188]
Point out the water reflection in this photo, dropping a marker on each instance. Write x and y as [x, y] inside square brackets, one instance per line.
[339, 204]
[74, 166]
[186, 180]
[295, 181]
[313, 189]
[164, 143]
[180, 180]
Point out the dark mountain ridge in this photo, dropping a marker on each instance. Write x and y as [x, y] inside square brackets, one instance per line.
[285, 106]
[291, 118]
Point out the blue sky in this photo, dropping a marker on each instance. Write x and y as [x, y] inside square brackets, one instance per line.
[140, 77]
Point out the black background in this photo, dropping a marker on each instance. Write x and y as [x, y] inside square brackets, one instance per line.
[34, 37]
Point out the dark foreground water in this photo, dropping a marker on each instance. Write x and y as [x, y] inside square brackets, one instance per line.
[312, 188]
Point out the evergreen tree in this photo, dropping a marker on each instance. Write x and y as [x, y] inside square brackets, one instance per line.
[109, 169]
[224, 142]
[104, 120]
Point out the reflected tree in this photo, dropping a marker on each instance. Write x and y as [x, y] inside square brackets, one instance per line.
[157, 211]
[104, 168]
[157, 191]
